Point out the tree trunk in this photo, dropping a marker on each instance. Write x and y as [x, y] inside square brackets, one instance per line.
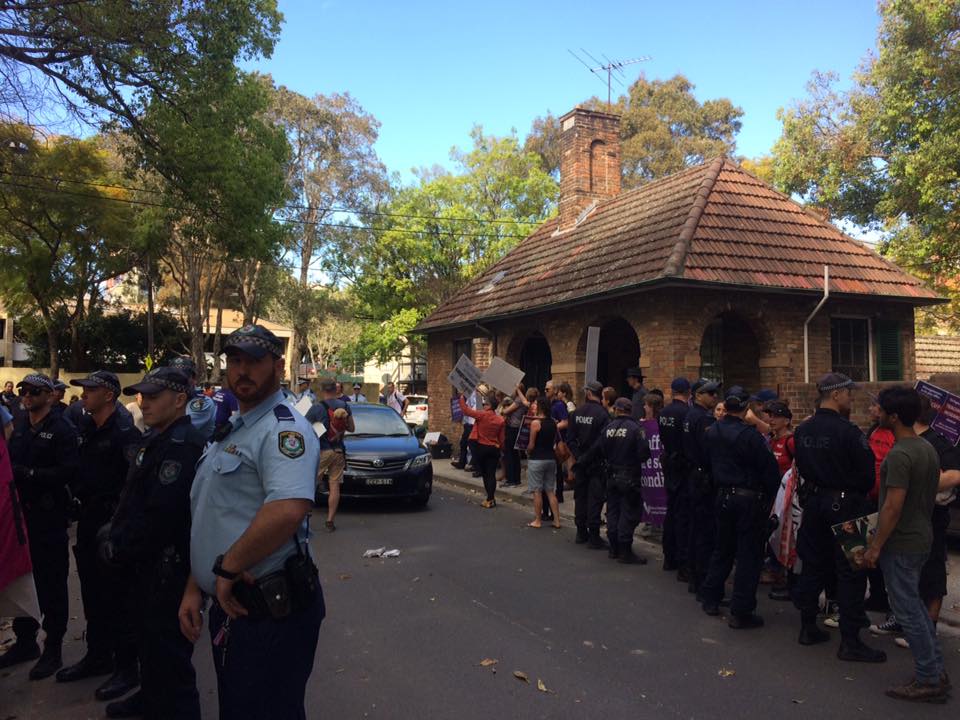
[299, 345]
[195, 319]
[54, 347]
[218, 335]
[150, 311]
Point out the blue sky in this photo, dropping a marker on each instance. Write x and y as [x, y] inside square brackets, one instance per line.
[430, 70]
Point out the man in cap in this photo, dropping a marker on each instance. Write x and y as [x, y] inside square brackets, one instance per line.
[59, 407]
[149, 538]
[357, 397]
[108, 444]
[303, 390]
[700, 491]
[334, 414]
[747, 479]
[201, 409]
[837, 467]
[250, 503]
[585, 428]
[635, 379]
[676, 524]
[43, 456]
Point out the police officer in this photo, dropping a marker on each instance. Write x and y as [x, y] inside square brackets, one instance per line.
[59, 407]
[250, 501]
[43, 456]
[303, 390]
[838, 470]
[700, 494]
[200, 408]
[635, 379]
[676, 524]
[625, 449]
[108, 444]
[149, 537]
[586, 424]
[747, 478]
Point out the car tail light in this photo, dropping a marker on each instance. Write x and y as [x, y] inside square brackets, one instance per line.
[421, 407]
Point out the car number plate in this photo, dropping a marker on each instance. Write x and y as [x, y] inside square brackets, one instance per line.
[379, 481]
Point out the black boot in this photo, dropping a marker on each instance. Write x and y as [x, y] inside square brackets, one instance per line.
[582, 536]
[50, 660]
[780, 593]
[614, 552]
[710, 608]
[595, 542]
[119, 684]
[670, 566]
[683, 575]
[810, 634]
[126, 708]
[853, 649]
[745, 622]
[629, 557]
[21, 651]
[90, 666]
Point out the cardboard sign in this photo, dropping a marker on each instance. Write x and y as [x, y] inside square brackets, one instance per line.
[456, 414]
[947, 405]
[465, 376]
[502, 375]
[651, 474]
[523, 436]
[303, 405]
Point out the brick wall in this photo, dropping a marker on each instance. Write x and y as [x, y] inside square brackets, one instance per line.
[590, 161]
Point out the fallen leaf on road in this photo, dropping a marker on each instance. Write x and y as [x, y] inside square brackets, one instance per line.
[416, 579]
[797, 702]
[638, 652]
[519, 675]
[543, 688]
[345, 577]
[587, 643]
[848, 678]
[726, 672]
[487, 662]
[709, 641]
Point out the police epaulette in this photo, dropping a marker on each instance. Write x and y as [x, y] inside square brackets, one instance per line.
[283, 412]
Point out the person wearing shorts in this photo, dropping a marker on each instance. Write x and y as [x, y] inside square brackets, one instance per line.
[542, 463]
[337, 419]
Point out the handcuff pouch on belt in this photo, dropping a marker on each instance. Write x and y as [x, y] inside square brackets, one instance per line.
[627, 481]
[283, 592]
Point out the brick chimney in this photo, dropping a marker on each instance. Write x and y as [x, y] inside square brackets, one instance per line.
[590, 162]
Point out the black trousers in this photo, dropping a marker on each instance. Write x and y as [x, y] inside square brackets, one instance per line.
[167, 678]
[486, 458]
[50, 557]
[702, 533]
[741, 530]
[624, 509]
[822, 557]
[464, 437]
[589, 494]
[263, 665]
[511, 457]
[676, 524]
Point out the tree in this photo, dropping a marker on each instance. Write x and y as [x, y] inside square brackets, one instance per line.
[60, 241]
[663, 129]
[886, 153]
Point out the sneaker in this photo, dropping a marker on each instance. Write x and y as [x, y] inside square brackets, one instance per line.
[917, 692]
[488, 504]
[890, 626]
[901, 641]
[832, 620]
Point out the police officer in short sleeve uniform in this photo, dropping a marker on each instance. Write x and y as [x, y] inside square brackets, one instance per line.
[700, 492]
[43, 456]
[586, 425]
[747, 479]
[249, 552]
[201, 409]
[676, 524]
[149, 538]
[837, 467]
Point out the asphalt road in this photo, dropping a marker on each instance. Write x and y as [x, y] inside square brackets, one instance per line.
[405, 637]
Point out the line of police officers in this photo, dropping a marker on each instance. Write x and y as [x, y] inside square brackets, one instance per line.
[168, 523]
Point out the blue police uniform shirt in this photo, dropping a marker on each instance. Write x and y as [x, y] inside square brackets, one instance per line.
[306, 393]
[203, 413]
[271, 454]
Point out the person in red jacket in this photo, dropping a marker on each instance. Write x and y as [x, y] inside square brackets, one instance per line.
[489, 432]
[881, 439]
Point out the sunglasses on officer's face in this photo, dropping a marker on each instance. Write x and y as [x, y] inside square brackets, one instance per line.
[32, 391]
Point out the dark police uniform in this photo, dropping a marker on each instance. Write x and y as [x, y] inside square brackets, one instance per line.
[676, 524]
[625, 449]
[44, 461]
[700, 493]
[585, 427]
[105, 456]
[151, 536]
[837, 467]
[747, 479]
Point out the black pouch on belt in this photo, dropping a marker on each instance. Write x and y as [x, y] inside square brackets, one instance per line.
[303, 578]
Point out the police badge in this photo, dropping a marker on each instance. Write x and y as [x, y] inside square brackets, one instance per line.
[169, 471]
[291, 444]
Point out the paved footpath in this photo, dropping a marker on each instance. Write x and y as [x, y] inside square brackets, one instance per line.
[408, 637]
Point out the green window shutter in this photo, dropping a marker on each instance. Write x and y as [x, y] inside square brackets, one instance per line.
[889, 352]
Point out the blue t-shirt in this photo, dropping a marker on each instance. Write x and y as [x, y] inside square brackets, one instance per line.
[322, 412]
[227, 405]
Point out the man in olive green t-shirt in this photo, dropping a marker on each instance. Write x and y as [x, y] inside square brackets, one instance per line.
[908, 486]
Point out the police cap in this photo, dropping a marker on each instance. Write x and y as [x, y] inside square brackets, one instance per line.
[38, 380]
[594, 387]
[159, 379]
[99, 379]
[706, 386]
[680, 385]
[765, 395]
[736, 399]
[622, 404]
[834, 381]
[254, 340]
[185, 364]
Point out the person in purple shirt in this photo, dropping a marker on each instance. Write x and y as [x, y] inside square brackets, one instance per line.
[226, 404]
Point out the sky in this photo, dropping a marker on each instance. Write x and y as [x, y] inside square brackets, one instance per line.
[429, 71]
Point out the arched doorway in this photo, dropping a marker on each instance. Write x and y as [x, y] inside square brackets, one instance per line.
[730, 352]
[536, 361]
[619, 350]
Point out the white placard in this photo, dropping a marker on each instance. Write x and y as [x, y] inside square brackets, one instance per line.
[593, 350]
[503, 376]
[431, 437]
[303, 405]
[465, 376]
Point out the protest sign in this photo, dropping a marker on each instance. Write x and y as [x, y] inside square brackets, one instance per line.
[947, 406]
[465, 376]
[456, 414]
[503, 376]
[523, 436]
[651, 474]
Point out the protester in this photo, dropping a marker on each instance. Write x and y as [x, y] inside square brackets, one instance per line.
[489, 433]
[337, 419]
[340, 394]
[778, 417]
[357, 397]
[589, 494]
[676, 521]
[393, 398]
[881, 439]
[910, 475]
[542, 463]
[635, 378]
[719, 411]
[652, 406]
[513, 412]
[464, 461]
[226, 404]
[608, 398]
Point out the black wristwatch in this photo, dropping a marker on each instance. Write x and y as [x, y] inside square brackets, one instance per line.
[220, 572]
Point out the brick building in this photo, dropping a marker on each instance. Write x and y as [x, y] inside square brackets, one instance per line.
[708, 272]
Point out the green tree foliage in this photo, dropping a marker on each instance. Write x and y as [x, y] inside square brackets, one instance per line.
[59, 241]
[664, 128]
[886, 153]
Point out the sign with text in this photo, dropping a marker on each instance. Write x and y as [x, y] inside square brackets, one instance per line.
[502, 375]
[654, 490]
[456, 414]
[523, 436]
[465, 376]
[947, 407]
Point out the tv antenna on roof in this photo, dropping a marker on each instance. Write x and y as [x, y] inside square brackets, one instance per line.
[609, 67]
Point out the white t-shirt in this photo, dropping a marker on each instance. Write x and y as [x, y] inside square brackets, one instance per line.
[395, 400]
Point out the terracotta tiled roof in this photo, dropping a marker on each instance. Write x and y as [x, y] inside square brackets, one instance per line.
[937, 354]
[714, 223]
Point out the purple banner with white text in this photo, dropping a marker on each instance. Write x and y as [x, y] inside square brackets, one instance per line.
[654, 490]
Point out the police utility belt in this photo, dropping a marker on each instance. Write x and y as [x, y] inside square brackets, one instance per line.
[742, 492]
[834, 494]
[281, 593]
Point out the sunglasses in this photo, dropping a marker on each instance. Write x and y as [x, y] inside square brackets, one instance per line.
[32, 391]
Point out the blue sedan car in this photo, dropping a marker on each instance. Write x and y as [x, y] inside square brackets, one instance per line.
[384, 458]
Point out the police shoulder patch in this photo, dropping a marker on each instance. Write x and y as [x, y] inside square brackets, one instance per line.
[169, 471]
[196, 405]
[283, 412]
[291, 443]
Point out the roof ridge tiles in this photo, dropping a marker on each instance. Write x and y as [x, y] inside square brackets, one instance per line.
[674, 266]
